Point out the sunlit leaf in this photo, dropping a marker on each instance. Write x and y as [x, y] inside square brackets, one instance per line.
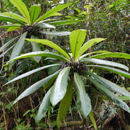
[34, 11]
[89, 43]
[22, 8]
[52, 12]
[50, 44]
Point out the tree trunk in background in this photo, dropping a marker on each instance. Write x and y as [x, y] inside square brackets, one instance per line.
[1, 7]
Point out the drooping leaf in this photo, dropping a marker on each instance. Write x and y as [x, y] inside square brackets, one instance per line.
[35, 47]
[110, 85]
[83, 100]
[40, 53]
[18, 47]
[50, 44]
[10, 19]
[30, 72]
[60, 86]
[65, 104]
[45, 25]
[7, 44]
[88, 44]
[66, 22]
[117, 71]
[4, 52]
[34, 11]
[110, 95]
[105, 62]
[44, 107]
[63, 33]
[112, 55]
[93, 120]
[22, 8]
[15, 16]
[77, 38]
[34, 87]
[52, 12]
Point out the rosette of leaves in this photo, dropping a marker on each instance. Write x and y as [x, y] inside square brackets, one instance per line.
[72, 67]
[31, 23]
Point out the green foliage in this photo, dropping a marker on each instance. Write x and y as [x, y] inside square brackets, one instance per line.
[73, 66]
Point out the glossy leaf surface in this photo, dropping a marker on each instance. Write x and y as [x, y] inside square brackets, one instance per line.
[65, 104]
[34, 87]
[44, 107]
[60, 86]
[117, 71]
[110, 85]
[31, 72]
[83, 100]
[105, 62]
[110, 95]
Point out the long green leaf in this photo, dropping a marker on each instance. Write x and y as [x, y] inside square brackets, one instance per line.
[35, 47]
[77, 38]
[114, 55]
[34, 87]
[87, 54]
[15, 16]
[66, 22]
[60, 86]
[124, 97]
[110, 95]
[10, 19]
[93, 120]
[40, 53]
[44, 107]
[45, 25]
[110, 85]
[7, 44]
[50, 44]
[12, 29]
[7, 26]
[105, 62]
[22, 8]
[34, 11]
[65, 104]
[117, 71]
[18, 47]
[30, 72]
[52, 12]
[63, 33]
[83, 100]
[4, 52]
[88, 44]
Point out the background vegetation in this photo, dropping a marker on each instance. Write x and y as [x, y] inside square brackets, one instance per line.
[108, 19]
